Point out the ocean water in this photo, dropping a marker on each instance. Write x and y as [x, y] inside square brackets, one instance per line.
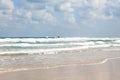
[26, 53]
[52, 45]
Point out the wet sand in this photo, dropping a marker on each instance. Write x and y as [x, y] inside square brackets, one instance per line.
[107, 69]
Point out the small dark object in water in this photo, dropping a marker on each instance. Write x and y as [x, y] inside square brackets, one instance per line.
[58, 36]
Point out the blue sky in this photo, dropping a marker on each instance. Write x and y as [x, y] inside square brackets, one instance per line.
[67, 18]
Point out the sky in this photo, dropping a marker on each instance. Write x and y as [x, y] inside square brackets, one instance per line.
[66, 18]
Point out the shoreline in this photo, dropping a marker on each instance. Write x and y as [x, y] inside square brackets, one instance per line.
[107, 70]
[92, 56]
[60, 66]
[89, 64]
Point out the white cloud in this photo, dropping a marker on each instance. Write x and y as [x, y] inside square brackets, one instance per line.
[36, 11]
[97, 10]
[67, 6]
[54, 11]
[6, 8]
[100, 15]
[41, 1]
[6, 4]
[26, 14]
[99, 4]
[44, 17]
[70, 18]
[113, 3]
[105, 9]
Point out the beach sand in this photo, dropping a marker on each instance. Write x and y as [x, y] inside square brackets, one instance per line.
[105, 69]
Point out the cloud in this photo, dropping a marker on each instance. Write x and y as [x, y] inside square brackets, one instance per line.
[6, 4]
[6, 9]
[58, 11]
[39, 1]
[43, 16]
[98, 4]
[91, 7]
[67, 6]
[104, 9]
[100, 15]
[70, 18]
[36, 1]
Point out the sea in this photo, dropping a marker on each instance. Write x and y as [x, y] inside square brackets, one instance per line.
[20, 51]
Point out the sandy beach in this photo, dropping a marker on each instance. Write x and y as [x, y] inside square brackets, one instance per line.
[59, 39]
[99, 64]
[109, 70]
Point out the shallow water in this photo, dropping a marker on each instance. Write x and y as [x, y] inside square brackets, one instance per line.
[35, 53]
